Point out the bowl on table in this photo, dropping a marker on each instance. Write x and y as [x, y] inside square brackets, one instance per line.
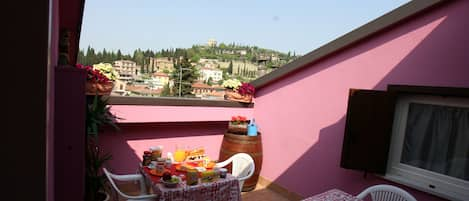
[172, 183]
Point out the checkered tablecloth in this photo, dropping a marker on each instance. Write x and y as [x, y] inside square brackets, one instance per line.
[332, 195]
[226, 189]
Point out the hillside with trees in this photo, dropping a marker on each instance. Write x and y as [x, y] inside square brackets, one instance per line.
[222, 52]
[185, 66]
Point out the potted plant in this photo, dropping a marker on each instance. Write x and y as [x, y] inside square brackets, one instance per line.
[246, 90]
[100, 78]
[238, 125]
[97, 115]
[94, 179]
[237, 91]
[231, 84]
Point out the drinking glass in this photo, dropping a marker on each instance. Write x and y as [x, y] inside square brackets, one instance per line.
[179, 154]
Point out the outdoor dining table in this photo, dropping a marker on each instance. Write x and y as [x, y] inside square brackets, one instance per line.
[223, 189]
[332, 195]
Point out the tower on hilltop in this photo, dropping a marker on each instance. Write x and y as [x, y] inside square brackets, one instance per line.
[212, 42]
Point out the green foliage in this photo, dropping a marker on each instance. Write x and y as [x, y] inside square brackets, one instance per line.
[184, 74]
[119, 54]
[138, 57]
[92, 57]
[230, 68]
[210, 81]
[97, 114]
[225, 74]
[81, 57]
[222, 52]
[166, 90]
[142, 69]
[226, 52]
[94, 179]
[195, 58]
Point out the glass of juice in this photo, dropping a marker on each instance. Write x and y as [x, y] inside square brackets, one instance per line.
[179, 154]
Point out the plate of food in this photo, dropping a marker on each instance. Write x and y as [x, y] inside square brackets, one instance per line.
[184, 167]
[170, 181]
[154, 172]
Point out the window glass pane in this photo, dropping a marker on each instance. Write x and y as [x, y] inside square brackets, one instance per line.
[437, 139]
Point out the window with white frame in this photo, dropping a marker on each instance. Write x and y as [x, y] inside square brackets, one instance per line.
[429, 147]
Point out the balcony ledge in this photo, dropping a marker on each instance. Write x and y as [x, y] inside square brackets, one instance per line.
[167, 110]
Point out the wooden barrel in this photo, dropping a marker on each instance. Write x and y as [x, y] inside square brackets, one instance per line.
[252, 145]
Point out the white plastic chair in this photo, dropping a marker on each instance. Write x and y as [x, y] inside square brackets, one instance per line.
[383, 192]
[242, 167]
[144, 196]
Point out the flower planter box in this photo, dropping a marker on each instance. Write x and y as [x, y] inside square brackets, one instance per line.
[93, 88]
[238, 128]
[235, 96]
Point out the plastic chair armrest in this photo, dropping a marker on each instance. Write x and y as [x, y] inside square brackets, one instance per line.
[130, 177]
[137, 197]
[133, 177]
[223, 164]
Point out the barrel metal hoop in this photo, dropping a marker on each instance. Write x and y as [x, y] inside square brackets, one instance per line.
[233, 153]
[241, 141]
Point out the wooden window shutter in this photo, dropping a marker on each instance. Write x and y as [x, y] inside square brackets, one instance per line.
[368, 130]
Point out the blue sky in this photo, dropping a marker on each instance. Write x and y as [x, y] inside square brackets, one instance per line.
[295, 25]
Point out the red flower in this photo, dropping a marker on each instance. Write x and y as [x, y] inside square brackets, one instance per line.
[238, 119]
[246, 89]
[94, 75]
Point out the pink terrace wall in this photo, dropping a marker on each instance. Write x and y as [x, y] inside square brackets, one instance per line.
[302, 140]
[145, 126]
[127, 145]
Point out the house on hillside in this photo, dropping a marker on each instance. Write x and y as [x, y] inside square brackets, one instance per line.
[206, 91]
[207, 73]
[212, 42]
[143, 90]
[164, 64]
[128, 70]
[157, 80]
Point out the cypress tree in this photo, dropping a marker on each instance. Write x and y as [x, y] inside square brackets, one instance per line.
[230, 67]
[81, 57]
[119, 54]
